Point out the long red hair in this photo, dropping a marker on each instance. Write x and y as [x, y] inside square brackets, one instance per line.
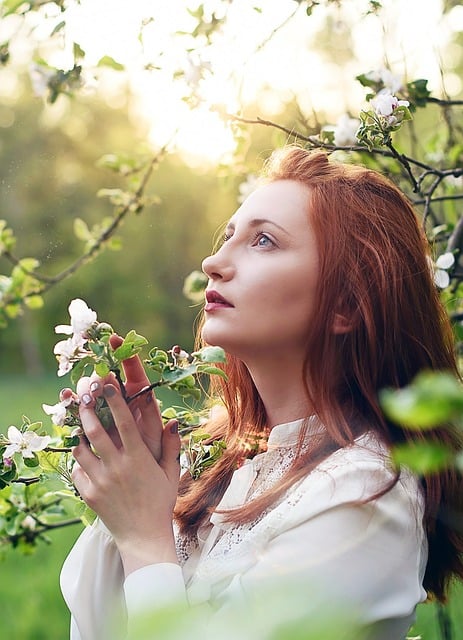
[375, 278]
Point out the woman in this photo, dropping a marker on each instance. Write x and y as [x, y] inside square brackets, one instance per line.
[321, 295]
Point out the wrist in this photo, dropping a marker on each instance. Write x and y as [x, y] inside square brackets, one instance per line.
[139, 552]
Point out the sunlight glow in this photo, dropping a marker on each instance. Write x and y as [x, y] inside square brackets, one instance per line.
[267, 62]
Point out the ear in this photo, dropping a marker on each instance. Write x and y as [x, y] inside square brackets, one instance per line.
[342, 324]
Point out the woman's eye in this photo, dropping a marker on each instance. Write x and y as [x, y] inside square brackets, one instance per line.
[263, 240]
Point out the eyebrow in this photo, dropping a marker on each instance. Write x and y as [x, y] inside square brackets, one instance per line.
[257, 222]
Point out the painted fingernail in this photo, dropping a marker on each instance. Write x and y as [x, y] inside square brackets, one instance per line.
[149, 398]
[174, 427]
[86, 399]
[94, 386]
[109, 391]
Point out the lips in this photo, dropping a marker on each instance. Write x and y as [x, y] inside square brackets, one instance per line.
[215, 301]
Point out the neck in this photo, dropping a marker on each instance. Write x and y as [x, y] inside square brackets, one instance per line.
[281, 388]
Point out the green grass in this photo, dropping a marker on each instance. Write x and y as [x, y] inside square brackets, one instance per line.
[20, 395]
[32, 606]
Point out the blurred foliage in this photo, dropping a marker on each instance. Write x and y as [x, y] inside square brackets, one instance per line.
[49, 175]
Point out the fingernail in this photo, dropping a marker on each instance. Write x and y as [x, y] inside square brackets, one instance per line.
[109, 391]
[94, 386]
[149, 398]
[86, 399]
[174, 427]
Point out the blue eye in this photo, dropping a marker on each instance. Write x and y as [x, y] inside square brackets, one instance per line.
[262, 240]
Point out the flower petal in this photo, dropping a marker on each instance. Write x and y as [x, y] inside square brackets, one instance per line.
[445, 261]
[14, 435]
[442, 279]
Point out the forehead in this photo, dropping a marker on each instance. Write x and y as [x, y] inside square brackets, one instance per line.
[285, 202]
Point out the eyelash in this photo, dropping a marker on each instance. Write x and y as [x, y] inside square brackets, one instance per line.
[256, 236]
[261, 234]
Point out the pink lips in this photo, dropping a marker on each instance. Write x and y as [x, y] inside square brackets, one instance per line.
[215, 301]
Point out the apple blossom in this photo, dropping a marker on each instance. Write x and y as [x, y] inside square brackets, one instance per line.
[26, 443]
[82, 318]
[385, 77]
[442, 264]
[345, 130]
[40, 76]
[386, 103]
[68, 351]
[58, 411]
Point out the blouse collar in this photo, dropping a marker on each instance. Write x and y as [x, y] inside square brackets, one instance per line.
[287, 434]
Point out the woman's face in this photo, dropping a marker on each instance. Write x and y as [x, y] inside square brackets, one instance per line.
[262, 281]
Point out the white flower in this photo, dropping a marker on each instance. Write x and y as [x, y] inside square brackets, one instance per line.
[247, 187]
[57, 411]
[68, 351]
[29, 523]
[24, 443]
[194, 70]
[443, 262]
[82, 318]
[390, 81]
[40, 76]
[345, 130]
[385, 104]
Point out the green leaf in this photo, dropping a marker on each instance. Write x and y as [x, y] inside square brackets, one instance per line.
[102, 369]
[31, 462]
[171, 376]
[98, 349]
[194, 286]
[48, 460]
[211, 354]
[80, 367]
[11, 6]
[432, 399]
[108, 61]
[81, 230]
[59, 27]
[422, 457]
[77, 51]
[212, 371]
[34, 302]
[131, 345]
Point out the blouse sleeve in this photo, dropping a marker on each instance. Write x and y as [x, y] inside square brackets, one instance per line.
[92, 584]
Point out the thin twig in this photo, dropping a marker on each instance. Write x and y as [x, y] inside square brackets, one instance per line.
[49, 281]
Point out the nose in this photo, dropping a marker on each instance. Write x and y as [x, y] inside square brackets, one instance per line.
[218, 266]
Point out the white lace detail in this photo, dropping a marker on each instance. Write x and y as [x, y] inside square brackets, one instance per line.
[184, 545]
[231, 549]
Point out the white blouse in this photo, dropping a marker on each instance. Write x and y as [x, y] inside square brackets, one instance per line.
[365, 558]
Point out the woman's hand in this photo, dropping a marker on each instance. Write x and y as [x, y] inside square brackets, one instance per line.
[132, 493]
[144, 408]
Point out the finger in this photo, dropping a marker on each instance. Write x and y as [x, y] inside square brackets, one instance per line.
[82, 483]
[170, 460]
[123, 418]
[86, 458]
[94, 430]
[134, 370]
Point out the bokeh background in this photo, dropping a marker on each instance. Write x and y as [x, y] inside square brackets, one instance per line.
[269, 59]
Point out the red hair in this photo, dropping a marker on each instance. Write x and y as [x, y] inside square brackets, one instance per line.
[375, 280]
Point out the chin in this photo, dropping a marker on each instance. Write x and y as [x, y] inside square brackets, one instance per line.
[215, 339]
